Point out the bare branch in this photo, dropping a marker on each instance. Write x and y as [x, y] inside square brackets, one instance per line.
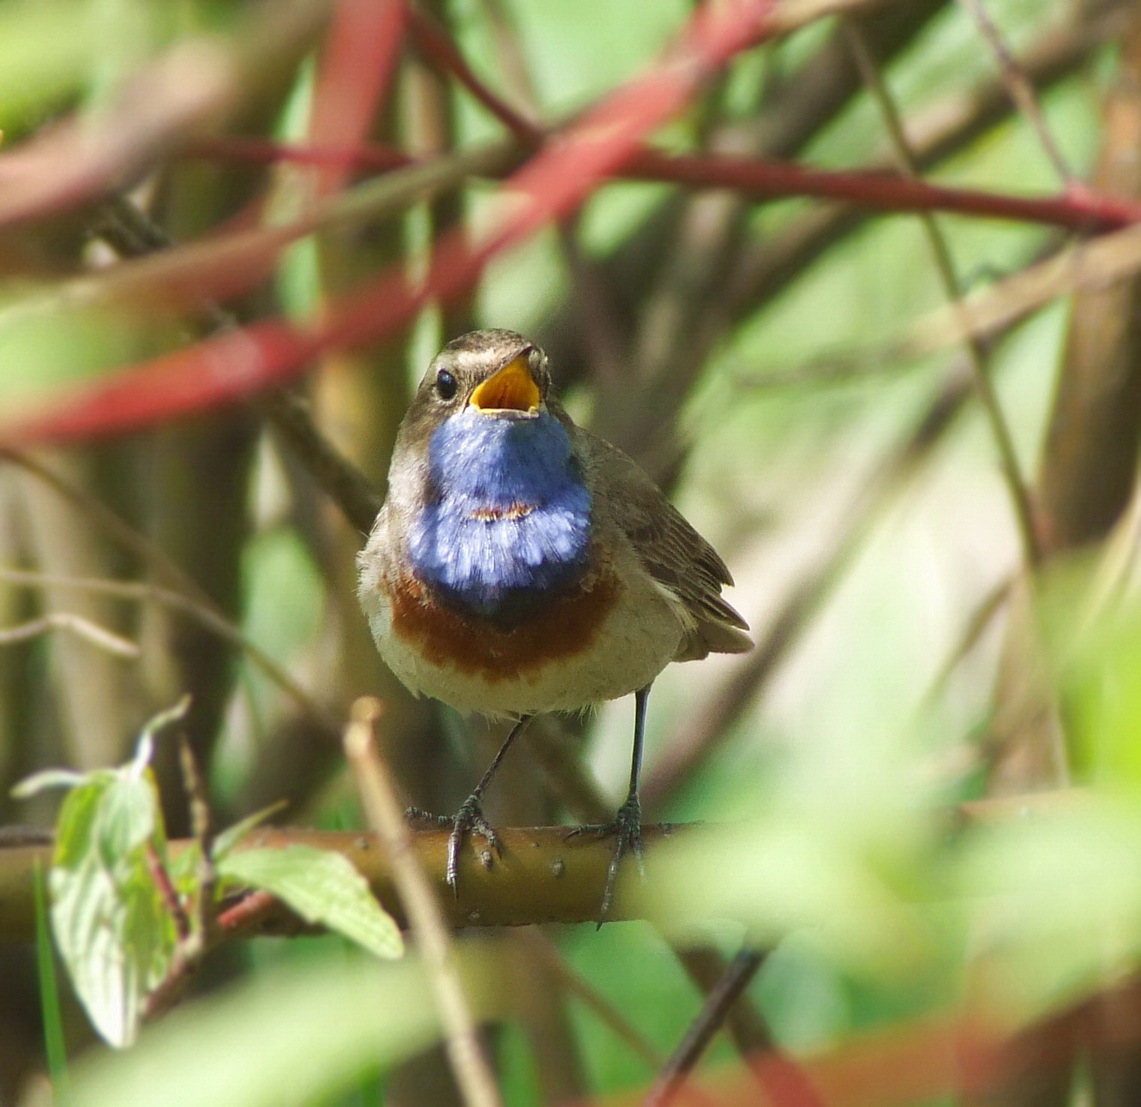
[77, 624]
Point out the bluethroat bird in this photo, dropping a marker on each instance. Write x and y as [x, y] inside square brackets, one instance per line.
[521, 564]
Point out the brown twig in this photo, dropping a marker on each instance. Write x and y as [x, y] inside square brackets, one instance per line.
[1089, 459]
[1084, 268]
[192, 270]
[1021, 90]
[984, 613]
[977, 354]
[357, 497]
[745, 1026]
[251, 911]
[115, 526]
[62, 620]
[948, 127]
[252, 150]
[542, 877]
[205, 616]
[699, 733]
[189, 948]
[197, 934]
[511, 55]
[132, 233]
[385, 814]
[700, 1033]
[201, 826]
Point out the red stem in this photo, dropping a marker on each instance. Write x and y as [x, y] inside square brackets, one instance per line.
[168, 892]
[1078, 210]
[247, 912]
[435, 43]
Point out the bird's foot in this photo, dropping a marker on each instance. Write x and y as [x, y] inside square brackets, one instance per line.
[627, 832]
[419, 815]
[468, 820]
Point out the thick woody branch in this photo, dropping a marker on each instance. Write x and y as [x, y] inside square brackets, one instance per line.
[543, 876]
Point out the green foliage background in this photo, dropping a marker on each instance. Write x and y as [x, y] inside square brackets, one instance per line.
[831, 786]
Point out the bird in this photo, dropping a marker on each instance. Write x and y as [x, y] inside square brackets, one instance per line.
[521, 564]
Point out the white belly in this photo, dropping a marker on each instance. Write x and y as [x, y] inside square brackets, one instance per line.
[640, 634]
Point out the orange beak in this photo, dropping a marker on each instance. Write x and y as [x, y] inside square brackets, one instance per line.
[512, 388]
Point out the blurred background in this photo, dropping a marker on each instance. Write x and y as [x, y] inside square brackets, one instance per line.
[932, 537]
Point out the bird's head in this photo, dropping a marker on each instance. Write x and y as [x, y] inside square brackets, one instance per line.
[482, 416]
[496, 374]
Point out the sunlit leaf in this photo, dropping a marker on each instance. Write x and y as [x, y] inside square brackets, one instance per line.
[47, 778]
[322, 887]
[232, 835]
[108, 917]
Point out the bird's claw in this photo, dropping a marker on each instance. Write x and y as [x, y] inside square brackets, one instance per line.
[469, 819]
[419, 815]
[627, 832]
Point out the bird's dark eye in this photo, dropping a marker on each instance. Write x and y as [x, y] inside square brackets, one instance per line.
[445, 385]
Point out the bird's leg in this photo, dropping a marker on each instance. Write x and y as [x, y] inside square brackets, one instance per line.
[627, 824]
[469, 819]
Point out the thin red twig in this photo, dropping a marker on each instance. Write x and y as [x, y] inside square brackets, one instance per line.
[1078, 208]
[237, 365]
[437, 45]
[1082, 210]
[248, 912]
[169, 893]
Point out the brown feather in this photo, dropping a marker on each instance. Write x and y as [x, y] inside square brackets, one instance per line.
[673, 553]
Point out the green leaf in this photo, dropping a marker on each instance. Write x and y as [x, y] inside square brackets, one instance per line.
[1066, 896]
[322, 887]
[144, 750]
[55, 1044]
[47, 778]
[109, 919]
[232, 835]
[185, 868]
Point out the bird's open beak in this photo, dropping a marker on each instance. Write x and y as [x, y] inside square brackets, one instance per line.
[512, 388]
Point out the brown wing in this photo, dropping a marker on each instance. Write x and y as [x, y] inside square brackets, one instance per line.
[674, 554]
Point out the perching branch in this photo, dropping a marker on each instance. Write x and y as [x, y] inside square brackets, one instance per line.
[542, 876]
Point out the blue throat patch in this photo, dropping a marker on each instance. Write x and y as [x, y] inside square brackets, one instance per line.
[511, 519]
